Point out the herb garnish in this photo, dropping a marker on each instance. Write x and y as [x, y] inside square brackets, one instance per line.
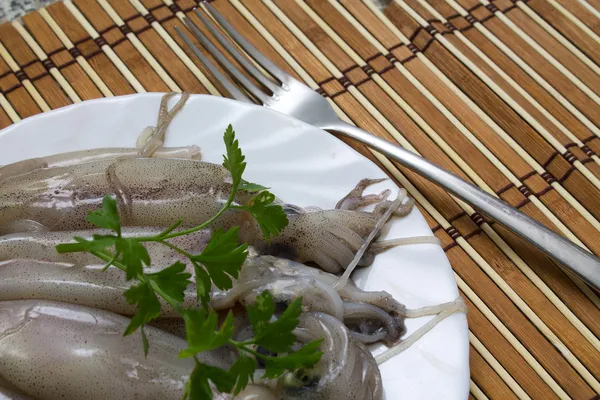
[217, 264]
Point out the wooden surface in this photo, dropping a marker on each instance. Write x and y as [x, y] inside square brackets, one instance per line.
[505, 94]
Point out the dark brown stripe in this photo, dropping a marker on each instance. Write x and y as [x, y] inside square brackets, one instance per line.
[525, 190]
[475, 232]
[436, 228]
[48, 64]
[451, 245]
[331, 78]
[391, 66]
[552, 157]
[125, 29]
[492, 7]
[149, 18]
[336, 94]
[544, 191]
[450, 26]
[457, 216]
[345, 82]
[477, 218]
[21, 76]
[587, 150]
[174, 8]
[6, 73]
[527, 175]
[569, 157]
[589, 139]
[100, 41]
[505, 188]
[75, 52]
[471, 19]
[452, 232]
[521, 204]
[362, 81]
[412, 48]
[396, 46]
[566, 175]
[431, 30]
[368, 70]
[548, 178]
[391, 58]
[29, 63]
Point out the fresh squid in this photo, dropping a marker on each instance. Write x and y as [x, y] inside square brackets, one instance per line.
[83, 156]
[157, 192]
[30, 268]
[89, 286]
[52, 350]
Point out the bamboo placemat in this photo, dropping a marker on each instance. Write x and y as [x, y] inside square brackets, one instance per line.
[503, 93]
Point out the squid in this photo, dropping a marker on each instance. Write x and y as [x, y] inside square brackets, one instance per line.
[52, 350]
[74, 158]
[157, 192]
[53, 277]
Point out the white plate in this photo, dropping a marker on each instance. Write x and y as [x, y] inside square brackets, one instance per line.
[305, 166]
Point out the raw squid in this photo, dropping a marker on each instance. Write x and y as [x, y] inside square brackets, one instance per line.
[32, 269]
[52, 350]
[157, 192]
[55, 350]
[78, 157]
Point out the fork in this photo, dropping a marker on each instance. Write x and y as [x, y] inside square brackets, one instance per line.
[292, 97]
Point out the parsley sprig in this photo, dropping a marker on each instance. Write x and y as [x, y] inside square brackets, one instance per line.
[219, 263]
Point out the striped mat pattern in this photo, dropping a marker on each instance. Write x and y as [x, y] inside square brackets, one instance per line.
[504, 93]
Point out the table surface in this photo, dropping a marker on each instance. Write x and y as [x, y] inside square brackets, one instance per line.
[503, 93]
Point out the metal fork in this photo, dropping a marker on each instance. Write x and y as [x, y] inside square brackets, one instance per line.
[297, 100]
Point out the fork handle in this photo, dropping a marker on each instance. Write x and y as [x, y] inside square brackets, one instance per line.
[581, 262]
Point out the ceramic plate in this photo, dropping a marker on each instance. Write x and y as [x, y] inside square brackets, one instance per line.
[305, 166]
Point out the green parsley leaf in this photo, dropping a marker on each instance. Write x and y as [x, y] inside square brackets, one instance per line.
[276, 336]
[108, 217]
[97, 243]
[243, 369]
[134, 256]
[203, 284]
[223, 257]
[306, 358]
[252, 187]
[145, 342]
[270, 217]
[261, 312]
[172, 280]
[201, 331]
[197, 387]
[148, 309]
[234, 159]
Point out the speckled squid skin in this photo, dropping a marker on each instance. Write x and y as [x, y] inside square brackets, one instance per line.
[30, 268]
[78, 157]
[52, 350]
[157, 192]
[149, 192]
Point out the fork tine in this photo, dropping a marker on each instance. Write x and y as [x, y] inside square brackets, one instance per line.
[248, 47]
[226, 64]
[233, 90]
[242, 60]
